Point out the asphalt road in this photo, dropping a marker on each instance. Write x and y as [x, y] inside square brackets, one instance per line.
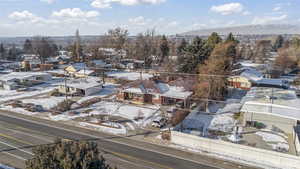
[122, 154]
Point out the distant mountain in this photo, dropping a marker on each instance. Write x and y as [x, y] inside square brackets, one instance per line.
[272, 29]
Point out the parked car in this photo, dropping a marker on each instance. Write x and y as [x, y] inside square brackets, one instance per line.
[159, 122]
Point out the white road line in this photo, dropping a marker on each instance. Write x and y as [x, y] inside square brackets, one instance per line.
[17, 148]
[132, 163]
[13, 155]
[20, 132]
[109, 140]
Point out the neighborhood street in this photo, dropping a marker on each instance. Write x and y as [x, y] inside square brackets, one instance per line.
[19, 134]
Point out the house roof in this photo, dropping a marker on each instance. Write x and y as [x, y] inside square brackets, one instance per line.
[278, 102]
[83, 84]
[21, 75]
[157, 87]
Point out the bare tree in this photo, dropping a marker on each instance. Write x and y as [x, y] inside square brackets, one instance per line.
[43, 47]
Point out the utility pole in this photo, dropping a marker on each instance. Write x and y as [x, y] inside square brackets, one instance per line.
[65, 78]
[77, 45]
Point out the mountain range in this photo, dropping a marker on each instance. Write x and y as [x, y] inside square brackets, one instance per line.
[271, 29]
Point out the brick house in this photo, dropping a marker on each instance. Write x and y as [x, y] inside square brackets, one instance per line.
[154, 92]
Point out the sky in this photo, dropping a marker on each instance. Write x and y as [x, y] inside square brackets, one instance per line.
[95, 17]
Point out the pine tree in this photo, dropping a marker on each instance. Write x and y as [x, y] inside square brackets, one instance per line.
[12, 53]
[2, 51]
[231, 38]
[67, 155]
[278, 43]
[27, 47]
[213, 40]
[164, 49]
[194, 54]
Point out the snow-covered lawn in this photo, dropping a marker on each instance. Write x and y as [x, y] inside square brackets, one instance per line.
[17, 110]
[46, 103]
[222, 120]
[277, 142]
[130, 112]
[13, 95]
[129, 75]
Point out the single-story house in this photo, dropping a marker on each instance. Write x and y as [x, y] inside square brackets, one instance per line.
[15, 80]
[81, 87]
[273, 107]
[244, 78]
[84, 73]
[155, 92]
[275, 83]
[74, 68]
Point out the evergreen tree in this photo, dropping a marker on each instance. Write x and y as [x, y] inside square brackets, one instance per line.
[213, 40]
[181, 48]
[67, 155]
[194, 54]
[2, 51]
[231, 38]
[12, 53]
[164, 49]
[27, 47]
[278, 43]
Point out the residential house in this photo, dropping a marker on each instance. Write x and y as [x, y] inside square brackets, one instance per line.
[244, 78]
[155, 92]
[17, 80]
[80, 87]
[277, 109]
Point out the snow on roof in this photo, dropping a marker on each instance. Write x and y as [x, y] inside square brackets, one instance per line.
[129, 75]
[276, 82]
[279, 102]
[177, 92]
[152, 87]
[250, 64]
[86, 71]
[22, 75]
[83, 84]
[252, 74]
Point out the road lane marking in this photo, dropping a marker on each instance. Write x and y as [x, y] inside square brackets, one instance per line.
[134, 158]
[15, 139]
[17, 148]
[13, 155]
[108, 140]
[33, 136]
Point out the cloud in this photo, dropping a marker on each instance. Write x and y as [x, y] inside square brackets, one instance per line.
[108, 3]
[25, 16]
[48, 1]
[228, 9]
[140, 21]
[246, 13]
[75, 13]
[277, 8]
[268, 19]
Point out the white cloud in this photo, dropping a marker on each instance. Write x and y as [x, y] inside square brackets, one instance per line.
[25, 16]
[246, 13]
[108, 3]
[269, 19]
[277, 8]
[75, 13]
[48, 1]
[140, 21]
[228, 9]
